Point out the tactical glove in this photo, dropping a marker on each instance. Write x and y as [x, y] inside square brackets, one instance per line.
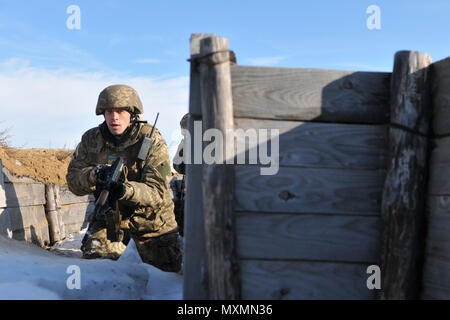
[101, 172]
[116, 190]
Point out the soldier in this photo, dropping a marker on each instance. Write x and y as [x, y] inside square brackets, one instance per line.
[177, 184]
[143, 209]
[178, 161]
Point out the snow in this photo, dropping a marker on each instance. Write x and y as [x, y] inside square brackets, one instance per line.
[29, 272]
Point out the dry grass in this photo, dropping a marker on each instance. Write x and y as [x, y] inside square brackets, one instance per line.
[62, 154]
[46, 165]
[4, 138]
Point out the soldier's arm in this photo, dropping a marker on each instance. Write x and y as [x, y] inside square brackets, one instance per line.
[79, 177]
[178, 160]
[153, 189]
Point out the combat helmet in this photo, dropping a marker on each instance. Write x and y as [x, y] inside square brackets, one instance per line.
[119, 96]
[183, 122]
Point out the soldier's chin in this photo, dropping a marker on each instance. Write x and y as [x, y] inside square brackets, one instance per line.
[116, 131]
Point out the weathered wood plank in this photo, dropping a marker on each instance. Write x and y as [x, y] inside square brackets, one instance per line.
[24, 194]
[5, 223]
[439, 167]
[75, 216]
[439, 205]
[441, 96]
[27, 223]
[438, 227]
[306, 190]
[25, 217]
[194, 282]
[310, 94]
[411, 91]
[438, 239]
[302, 280]
[67, 197]
[35, 234]
[436, 278]
[403, 206]
[218, 179]
[308, 237]
[56, 229]
[320, 145]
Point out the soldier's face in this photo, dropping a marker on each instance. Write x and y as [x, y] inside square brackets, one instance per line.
[117, 120]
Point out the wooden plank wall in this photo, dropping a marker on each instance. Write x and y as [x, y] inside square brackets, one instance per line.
[436, 272]
[22, 213]
[75, 210]
[25, 210]
[311, 230]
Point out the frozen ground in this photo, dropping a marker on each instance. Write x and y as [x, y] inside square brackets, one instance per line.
[29, 272]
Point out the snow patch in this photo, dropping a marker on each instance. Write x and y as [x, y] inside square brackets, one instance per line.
[29, 272]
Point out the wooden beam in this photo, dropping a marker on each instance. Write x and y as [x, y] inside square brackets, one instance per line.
[441, 97]
[194, 280]
[277, 236]
[438, 182]
[51, 192]
[74, 216]
[322, 145]
[303, 280]
[24, 194]
[309, 190]
[310, 94]
[27, 223]
[217, 182]
[403, 202]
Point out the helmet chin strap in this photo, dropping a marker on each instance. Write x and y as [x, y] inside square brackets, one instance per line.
[135, 119]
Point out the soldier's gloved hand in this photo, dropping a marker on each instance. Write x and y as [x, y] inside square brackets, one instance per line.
[99, 174]
[117, 190]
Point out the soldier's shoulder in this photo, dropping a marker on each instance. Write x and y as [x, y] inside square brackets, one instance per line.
[147, 129]
[91, 134]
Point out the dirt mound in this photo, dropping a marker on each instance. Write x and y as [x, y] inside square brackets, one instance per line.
[45, 165]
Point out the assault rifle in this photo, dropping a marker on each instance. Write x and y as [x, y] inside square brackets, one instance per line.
[102, 205]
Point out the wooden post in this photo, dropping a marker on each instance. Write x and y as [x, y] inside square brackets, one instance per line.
[195, 282]
[52, 213]
[218, 177]
[403, 203]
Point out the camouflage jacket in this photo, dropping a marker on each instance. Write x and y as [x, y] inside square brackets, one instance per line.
[147, 200]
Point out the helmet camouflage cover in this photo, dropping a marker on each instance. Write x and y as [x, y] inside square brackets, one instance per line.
[120, 97]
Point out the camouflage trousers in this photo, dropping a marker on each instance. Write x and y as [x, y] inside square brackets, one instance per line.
[162, 252]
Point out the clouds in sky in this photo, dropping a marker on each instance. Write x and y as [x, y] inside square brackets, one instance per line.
[53, 107]
[266, 61]
[148, 61]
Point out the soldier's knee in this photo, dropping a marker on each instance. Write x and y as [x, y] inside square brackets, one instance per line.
[163, 252]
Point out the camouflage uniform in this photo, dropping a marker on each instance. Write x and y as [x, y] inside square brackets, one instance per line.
[145, 211]
[178, 160]
[178, 184]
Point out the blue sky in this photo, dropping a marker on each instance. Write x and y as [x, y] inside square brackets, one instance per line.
[51, 76]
